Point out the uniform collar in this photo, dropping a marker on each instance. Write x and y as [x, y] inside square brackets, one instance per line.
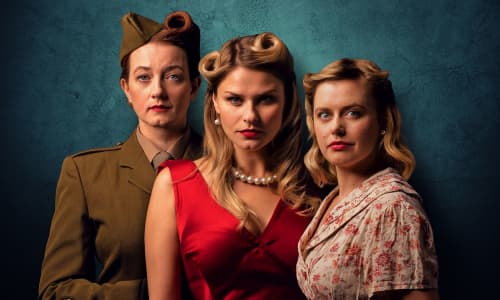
[151, 149]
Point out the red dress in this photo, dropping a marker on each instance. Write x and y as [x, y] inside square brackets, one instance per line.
[224, 262]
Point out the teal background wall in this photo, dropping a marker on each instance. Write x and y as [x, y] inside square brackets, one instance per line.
[60, 94]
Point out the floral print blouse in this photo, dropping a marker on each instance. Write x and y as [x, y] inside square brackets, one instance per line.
[378, 238]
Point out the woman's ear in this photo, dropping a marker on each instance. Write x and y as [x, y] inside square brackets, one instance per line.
[216, 103]
[195, 85]
[125, 89]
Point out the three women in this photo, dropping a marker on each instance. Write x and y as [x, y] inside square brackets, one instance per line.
[229, 221]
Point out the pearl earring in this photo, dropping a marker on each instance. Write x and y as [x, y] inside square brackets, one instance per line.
[382, 132]
[217, 121]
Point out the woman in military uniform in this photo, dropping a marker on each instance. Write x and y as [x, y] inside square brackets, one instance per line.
[95, 249]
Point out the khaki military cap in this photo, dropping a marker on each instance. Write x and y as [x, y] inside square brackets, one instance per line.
[137, 31]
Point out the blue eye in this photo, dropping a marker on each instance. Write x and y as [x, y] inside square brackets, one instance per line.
[174, 77]
[142, 78]
[323, 115]
[266, 99]
[234, 100]
[353, 113]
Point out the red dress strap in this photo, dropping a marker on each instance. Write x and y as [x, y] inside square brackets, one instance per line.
[179, 168]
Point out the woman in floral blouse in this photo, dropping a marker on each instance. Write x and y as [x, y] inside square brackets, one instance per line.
[371, 238]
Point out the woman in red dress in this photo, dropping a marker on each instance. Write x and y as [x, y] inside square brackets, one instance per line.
[232, 219]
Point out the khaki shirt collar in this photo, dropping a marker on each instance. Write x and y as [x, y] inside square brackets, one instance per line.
[151, 149]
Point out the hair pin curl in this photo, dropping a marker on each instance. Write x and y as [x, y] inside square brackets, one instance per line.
[178, 21]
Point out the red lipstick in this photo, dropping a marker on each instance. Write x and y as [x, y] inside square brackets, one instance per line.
[159, 108]
[338, 145]
[249, 133]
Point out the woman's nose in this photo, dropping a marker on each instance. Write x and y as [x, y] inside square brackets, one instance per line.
[159, 90]
[250, 115]
[338, 127]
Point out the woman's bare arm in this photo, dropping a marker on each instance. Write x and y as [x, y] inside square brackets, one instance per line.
[162, 242]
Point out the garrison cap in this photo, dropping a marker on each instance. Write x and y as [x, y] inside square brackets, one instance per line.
[137, 31]
[178, 29]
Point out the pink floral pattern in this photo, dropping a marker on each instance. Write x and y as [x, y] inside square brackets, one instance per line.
[377, 239]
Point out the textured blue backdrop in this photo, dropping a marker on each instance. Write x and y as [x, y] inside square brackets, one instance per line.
[61, 95]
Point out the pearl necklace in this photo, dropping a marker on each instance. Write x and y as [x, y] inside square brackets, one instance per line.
[254, 180]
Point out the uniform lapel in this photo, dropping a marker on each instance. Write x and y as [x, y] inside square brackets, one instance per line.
[133, 159]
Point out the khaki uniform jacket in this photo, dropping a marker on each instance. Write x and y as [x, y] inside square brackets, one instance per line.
[95, 248]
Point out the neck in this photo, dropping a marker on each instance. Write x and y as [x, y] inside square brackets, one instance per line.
[250, 163]
[164, 138]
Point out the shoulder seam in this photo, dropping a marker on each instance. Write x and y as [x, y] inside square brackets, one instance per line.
[95, 150]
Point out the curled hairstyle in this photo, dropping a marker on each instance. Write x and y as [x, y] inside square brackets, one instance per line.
[393, 152]
[267, 53]
[180, 30]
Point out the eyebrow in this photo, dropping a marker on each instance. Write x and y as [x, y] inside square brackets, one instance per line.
[354, 105]
[166, 69]
[270, 91]
[343, 108]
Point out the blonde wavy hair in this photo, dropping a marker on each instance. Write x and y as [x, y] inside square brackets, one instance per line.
[393, 153]
[263, 52]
